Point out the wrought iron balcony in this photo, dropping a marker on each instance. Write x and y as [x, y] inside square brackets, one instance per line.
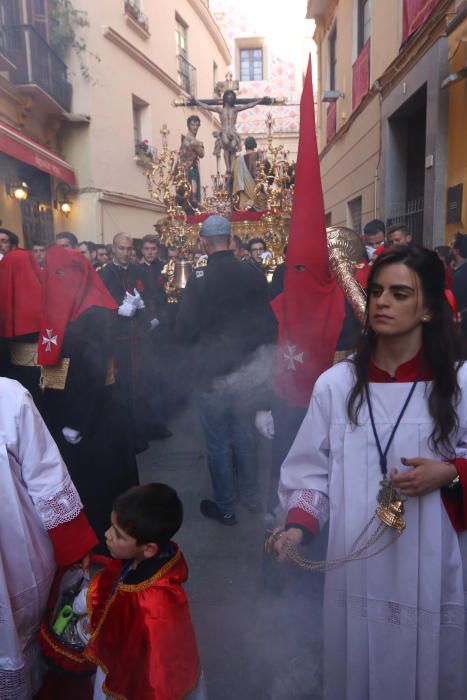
[6, 50]
[133, 11]
[38, 69]
[187, 75]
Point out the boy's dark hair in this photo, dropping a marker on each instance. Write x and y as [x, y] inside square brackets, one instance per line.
[149, 513]
[252, 242]
[373, 227]
[71, 238]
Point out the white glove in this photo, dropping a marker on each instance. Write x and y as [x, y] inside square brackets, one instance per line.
[154, 323]
[126, 309]
[139, 303]
[264, 423]
[71, 435]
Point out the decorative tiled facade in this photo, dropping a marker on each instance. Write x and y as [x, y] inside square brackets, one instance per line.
[283, 75]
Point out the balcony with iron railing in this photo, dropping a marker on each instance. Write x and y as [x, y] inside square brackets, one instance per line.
[6, 50]
[135, 14]
[37, 70]
[187, 75]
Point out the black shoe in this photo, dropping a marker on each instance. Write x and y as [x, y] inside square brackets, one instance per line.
[210, 510]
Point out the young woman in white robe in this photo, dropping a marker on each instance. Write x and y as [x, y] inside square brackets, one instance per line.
[42, 525]
[394, 624]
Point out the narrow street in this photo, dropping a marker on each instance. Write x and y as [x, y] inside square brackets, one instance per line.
[255, 643]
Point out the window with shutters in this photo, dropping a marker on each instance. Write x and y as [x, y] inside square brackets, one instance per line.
[354, 215]
[38, 17]
[364, 23]
[251, 64]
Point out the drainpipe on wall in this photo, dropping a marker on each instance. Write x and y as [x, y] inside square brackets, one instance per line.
[377, 86]
[100, 218]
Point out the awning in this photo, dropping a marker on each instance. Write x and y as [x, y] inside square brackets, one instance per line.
[21, 147]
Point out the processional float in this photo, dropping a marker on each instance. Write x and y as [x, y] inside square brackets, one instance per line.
[266, 216]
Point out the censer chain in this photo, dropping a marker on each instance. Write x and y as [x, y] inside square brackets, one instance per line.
[354, 554]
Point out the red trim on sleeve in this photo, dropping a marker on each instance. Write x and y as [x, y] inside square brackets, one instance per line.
[72, 541]
[455, 501]
[297, 516]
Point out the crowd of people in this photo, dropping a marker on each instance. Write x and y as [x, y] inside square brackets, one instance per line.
[87, 332]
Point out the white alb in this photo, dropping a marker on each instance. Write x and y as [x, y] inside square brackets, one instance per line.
[395, 623]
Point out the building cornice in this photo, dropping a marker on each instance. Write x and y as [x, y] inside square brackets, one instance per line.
[121, 198]
[211, 25]
[129, 200]
[461, 15]
[143, 60]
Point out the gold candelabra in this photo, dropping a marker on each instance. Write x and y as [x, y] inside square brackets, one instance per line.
[168, 184]
[273, 184]
[220, 200]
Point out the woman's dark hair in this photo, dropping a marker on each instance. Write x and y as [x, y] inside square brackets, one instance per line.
[440, 345]
[149, 513]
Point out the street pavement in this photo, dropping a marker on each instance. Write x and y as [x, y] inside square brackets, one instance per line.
[258, 627]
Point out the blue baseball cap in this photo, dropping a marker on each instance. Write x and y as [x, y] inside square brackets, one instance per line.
[215, 226]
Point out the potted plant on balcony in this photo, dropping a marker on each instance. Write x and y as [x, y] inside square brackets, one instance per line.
[133, 11]
[142, 147]
[144, 152]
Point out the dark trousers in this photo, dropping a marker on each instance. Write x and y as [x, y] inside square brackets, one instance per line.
[228, 426]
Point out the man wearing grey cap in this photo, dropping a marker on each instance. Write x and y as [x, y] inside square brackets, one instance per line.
[226, 318]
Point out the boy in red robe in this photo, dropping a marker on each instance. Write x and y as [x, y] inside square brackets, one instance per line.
[143, 640]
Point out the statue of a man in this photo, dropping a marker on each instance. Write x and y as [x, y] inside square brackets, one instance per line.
[228, 138]
[191, 151]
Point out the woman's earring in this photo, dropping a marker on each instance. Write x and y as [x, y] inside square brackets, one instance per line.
[426, 318]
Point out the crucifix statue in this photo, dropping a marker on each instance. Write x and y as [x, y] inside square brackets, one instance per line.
[228, 138]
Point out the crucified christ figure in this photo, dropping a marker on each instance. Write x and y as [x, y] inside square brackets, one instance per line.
[228, 138]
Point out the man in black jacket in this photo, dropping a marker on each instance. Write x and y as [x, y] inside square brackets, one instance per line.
[134, 291]
[226, 318]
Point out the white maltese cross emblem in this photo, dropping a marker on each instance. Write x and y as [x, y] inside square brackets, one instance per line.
[49, 339]
[292, 356]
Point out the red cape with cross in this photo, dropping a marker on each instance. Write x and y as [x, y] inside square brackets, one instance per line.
[310, 310]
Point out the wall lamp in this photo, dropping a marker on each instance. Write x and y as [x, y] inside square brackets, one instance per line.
[18, 191]
[331, 95]
[454, 78]
[62, 201]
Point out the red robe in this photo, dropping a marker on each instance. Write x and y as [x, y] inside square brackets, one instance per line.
[143, 637]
